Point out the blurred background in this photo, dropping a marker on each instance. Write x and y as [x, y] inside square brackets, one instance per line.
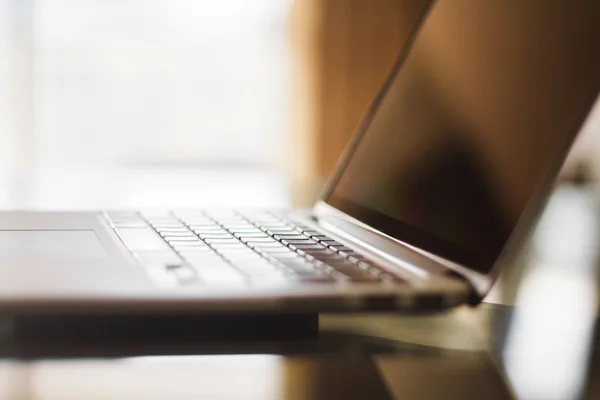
[154, 103]
[105, 103]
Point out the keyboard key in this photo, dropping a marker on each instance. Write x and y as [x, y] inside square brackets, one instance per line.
[156, 213]
[125, 216]
[290, 237]
[222, 241]
[216, 236]
[186, 252]
[320, 251]
[181, 246]
[263, 266]
[255, 237]
[274, 224]
[207, 227]
[250, 261]
[336, 261]
[181, 239]
[342, 248]
[141, 239]
[331, 243]
[267, 245]
[301, 267]
[165, 258]
[311, 232]
[203, 265]
[233, 220]
[215, 269]
[205, 234]
[160, 218]
[180, 233]
[167, 224]
[228, 246]
[251, 241]
[200, 251]
[241, 255]
[235, 227]
[122, 214]
[282, 231]
[256, 267]
[276, 250]
[188, 245]
[311, 248]
[232, 249]
[286, 255]
[197, 220]
[129, 224]
[185, 240]
[240, 252]
[299, 243]
[246, 229]
[260, 271]
[174, 231]
[206, 260]
[299, 224]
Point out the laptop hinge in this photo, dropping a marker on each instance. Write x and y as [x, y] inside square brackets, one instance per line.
[396, 252]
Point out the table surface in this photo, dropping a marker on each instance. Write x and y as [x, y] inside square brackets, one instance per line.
[533, 338]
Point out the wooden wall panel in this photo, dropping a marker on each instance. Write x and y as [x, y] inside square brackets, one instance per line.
[344, 50]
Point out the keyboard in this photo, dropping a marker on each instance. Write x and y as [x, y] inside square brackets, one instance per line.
[236, 248]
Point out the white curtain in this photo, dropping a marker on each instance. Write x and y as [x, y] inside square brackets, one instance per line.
[121, 82]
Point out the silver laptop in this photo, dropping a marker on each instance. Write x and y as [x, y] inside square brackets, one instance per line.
[436, 191]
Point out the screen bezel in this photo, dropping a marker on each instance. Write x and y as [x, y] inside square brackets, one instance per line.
[426, 242]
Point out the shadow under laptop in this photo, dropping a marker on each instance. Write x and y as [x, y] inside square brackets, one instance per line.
[332, 365]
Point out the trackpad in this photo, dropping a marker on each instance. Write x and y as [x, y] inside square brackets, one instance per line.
[57, 244]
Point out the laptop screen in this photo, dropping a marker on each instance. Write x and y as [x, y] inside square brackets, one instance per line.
[474, 119]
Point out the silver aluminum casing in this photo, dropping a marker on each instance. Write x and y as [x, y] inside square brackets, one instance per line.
[119, 284]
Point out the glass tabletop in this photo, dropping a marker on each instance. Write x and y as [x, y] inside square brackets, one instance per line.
[533, 338]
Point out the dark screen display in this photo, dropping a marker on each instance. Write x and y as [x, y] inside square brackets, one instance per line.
[478, 110]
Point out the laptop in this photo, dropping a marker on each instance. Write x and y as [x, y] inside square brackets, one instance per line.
[433, 196]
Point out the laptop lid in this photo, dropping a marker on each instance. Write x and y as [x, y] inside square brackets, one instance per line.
[470, 129]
